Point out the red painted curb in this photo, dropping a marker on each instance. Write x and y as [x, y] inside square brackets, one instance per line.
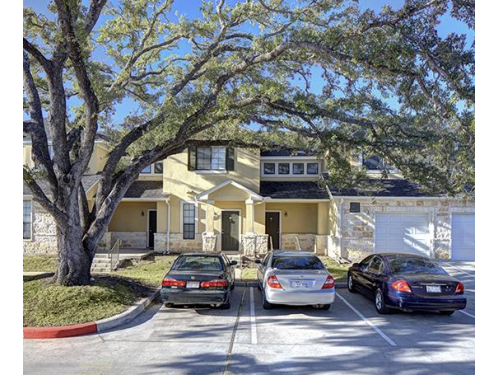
[58, 332]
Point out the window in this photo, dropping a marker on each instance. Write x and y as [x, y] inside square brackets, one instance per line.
[188, 220]
[284, 168]
[312, 168]
[298, 263]
[376, 266]
[26, 220]
[198, 263]
[269, 168]
[147, 169]
[355, 207]
[159, 167]
[298, 168]
[211, 158]
[374, 163]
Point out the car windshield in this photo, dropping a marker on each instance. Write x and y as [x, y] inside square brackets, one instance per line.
[297, 263]
[198, 263]
[414, 266]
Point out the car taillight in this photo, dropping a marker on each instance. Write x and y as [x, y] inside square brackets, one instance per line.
[273, 282]
[329, 283]
[169, 281]
[460, 289]
[401, 286]
[217, 283]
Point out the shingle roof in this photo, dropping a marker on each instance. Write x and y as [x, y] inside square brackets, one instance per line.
[383, 188]
[286, 153]
[87, 181]
[146, 189]
[293, 190]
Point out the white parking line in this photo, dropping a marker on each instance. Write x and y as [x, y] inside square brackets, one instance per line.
[466, 313]
[253, 325]
[382, 334]
[461, 270]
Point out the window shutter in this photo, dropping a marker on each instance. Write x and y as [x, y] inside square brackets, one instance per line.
[191, 158]
[230, 159]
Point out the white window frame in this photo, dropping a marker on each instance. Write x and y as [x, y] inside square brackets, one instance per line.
[181, 221]
[152, 170]
[211, 170]
[290, 168]
[31, 219]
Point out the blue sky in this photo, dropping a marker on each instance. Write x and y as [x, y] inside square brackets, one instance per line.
[190, 10]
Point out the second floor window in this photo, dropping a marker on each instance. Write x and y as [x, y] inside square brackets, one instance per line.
[215, 158]
[156, 168]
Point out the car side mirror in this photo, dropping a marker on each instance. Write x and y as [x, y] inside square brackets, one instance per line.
[233, 263]
[355, 265]
[257, 261]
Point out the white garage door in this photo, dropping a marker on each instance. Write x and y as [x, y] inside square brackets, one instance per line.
[463, 234]
[402, 233]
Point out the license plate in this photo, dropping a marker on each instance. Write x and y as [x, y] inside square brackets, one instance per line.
[192, 284]
[433, 289]
[300, 284]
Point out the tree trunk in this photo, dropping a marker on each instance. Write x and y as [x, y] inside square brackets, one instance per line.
[74, 259]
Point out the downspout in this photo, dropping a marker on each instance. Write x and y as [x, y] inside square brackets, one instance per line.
[168, 225]
[341, 207]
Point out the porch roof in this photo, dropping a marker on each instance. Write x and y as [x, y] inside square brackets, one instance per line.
[203, 196]
[293, 190]
[146, 190]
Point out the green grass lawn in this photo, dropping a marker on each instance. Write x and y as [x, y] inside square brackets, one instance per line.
[148, 272]
[338, 271]
[249, 274]
[46, 304]
[39, 263]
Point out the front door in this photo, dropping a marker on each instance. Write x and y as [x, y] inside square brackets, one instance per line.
[273, 228]
[230, 230]
[151, 228]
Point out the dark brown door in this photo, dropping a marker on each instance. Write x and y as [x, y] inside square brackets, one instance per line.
[273, 228]
[151, 229]
[230, 230]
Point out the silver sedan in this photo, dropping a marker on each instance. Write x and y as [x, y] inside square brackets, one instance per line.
[294, 278]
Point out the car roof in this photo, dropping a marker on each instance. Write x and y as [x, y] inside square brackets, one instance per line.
[198, 254]
[401, 255]
[291, 253]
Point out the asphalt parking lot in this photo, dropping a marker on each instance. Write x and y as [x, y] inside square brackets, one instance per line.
[350, 338]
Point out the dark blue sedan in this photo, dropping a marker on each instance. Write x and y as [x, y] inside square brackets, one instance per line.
[406, 282]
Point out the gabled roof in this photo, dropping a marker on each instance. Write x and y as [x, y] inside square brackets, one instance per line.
[293, 190]
[204, 195]
[88, 182]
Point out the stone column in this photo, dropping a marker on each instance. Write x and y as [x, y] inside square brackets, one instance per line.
[321, 240]
[208, 237]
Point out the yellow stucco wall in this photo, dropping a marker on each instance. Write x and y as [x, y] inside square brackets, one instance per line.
[98, 159]
[27, 156]
[297, 218]
[180, 182]
[128, 217]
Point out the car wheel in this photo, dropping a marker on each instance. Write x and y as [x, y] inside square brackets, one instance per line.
[226, 305]
[380, 303]
[169, 304]
[325, 307]
[259, 286]
[350, 284]
[266, 305]
[232, 286]
[447, 312]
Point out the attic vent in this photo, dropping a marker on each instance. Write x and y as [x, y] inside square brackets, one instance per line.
[355, 207]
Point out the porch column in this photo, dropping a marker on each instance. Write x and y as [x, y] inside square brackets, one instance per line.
[250, 216]
[210, 217]
[208, 237]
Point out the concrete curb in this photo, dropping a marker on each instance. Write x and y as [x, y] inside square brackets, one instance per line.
[128, 315]
[91, 327]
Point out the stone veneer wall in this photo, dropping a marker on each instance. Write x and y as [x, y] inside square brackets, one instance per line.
[358, 229]
[43, 239]
[289, 241]
[177, 243]
[254, 244]
[137, 240]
